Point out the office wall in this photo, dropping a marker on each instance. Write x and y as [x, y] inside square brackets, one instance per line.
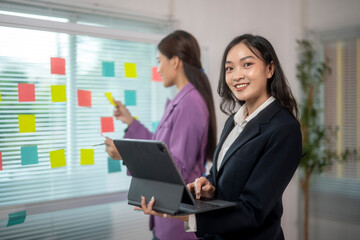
[334, 14]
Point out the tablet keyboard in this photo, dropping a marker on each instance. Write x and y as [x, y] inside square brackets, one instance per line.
[198, 205]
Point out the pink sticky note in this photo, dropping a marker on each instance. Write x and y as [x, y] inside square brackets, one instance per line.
[84, 98]
[0, 161]
[58, 66]
[156, 77]
[26, 92]
[107, 124]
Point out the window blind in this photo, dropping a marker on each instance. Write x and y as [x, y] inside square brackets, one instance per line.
[25, 58]
[335, 195]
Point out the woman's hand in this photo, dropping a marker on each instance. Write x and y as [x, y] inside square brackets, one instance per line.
[202, 188]
[149, 211]
[111, 149]
[122, 113]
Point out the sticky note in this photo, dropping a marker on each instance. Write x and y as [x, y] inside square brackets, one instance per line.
[1, 161]
[57, 158]
[130, 97]
[86, 156]
[107, 124]
[57, 65]
[58, 93]
[155, 76]
[0, 96]
[108, 69]
[113, 165]
[16, 218]
[130, 70]
[29, 155]
[110, 98]
[84, 98]
[154, 125]
[26, 92]
[26, 123]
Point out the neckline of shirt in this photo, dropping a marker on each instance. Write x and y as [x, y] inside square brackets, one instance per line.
[240, 115]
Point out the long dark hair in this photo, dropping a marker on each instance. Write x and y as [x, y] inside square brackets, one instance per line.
[277, 85]
[183, 45]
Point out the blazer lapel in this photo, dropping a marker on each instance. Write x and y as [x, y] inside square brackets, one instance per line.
[227, 129]
[250, 131]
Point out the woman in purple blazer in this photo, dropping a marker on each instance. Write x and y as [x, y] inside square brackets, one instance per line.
[188, 125]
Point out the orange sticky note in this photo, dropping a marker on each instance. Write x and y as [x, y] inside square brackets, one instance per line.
[155, 76]
[26, 123]
[57, 158]
[130, 70]
[0, 161]
[26, 92]
[86, 156]
[107, 124]
[84, 98]
[57, 65]
[58, 93]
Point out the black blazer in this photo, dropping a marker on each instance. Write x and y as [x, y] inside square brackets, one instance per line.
[254, 173]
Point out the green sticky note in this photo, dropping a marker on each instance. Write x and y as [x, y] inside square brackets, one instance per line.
[26, 123]
[154, 125]
[58, 93]
[130, 97]
[114, 165]
[86, 156]
[57, 158]
[130, 70]
[16, 218]
[29, 155]
[108, 69]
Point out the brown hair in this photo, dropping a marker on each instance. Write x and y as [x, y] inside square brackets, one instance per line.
[183, 45]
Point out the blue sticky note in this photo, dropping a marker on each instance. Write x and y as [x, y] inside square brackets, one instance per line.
[154, 125]
[130, 97]
[29, 155]
[114, 165]
[108, 69]
[16, 218]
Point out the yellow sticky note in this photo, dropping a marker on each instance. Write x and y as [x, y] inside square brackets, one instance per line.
[86, 156]
[26, 123]
[136, 117]
[0, 96]
[57, 158]
[130, 70]
[58, 93]
[110, 98]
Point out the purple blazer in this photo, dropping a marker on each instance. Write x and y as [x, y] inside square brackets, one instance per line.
[184, 129]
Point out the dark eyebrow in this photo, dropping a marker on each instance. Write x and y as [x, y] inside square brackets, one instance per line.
[242, 59]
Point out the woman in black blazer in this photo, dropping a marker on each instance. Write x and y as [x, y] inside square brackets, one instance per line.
[259, 148]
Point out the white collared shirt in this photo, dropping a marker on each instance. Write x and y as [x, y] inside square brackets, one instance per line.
[240, 119]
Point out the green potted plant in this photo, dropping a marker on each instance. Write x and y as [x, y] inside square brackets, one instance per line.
[316, 138]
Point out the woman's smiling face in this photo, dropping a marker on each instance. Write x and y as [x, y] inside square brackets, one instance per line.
[246, 75]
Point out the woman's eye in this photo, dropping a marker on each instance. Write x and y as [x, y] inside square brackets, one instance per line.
[228, 68]
[247, 64]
